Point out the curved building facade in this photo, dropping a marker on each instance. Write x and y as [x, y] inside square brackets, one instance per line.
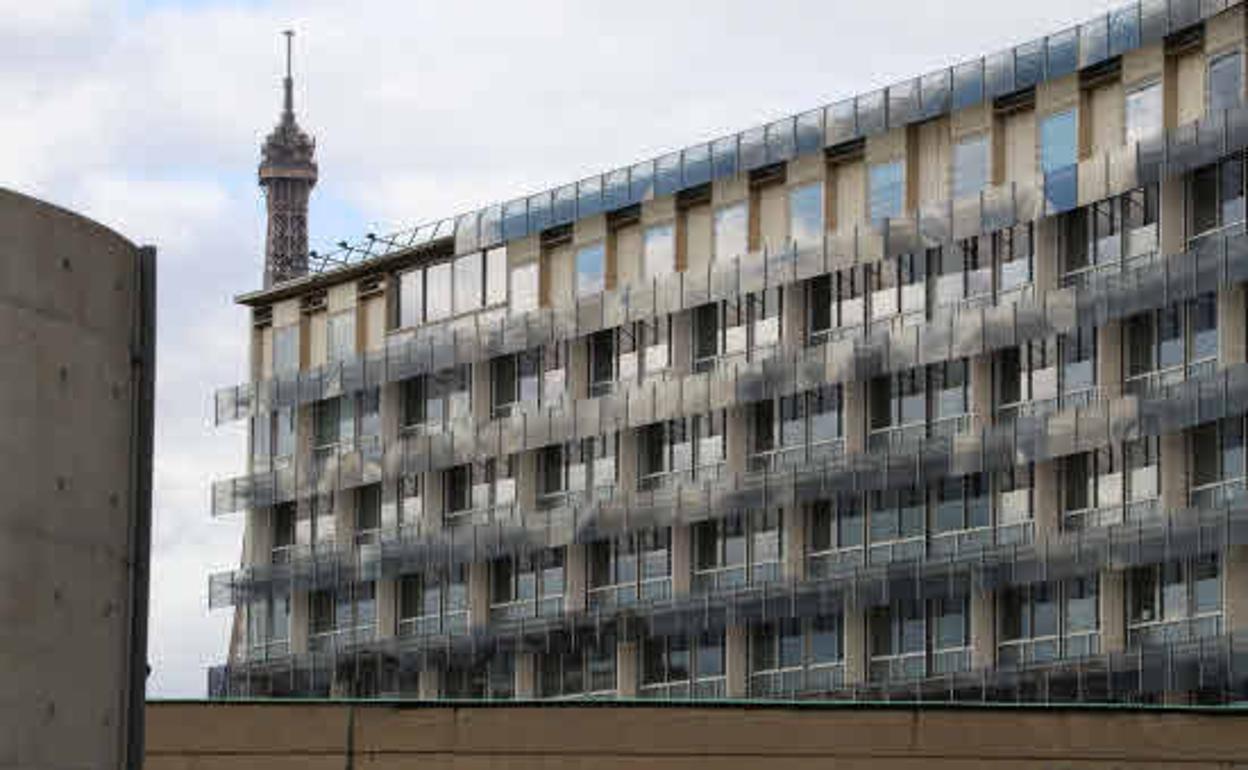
[936, 392]
[76, 368]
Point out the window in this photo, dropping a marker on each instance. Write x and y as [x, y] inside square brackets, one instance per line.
[1014, 252]
[1174, 601]
[1105, 486]
[438, 293]
[469, 283]
[515, 380]
[1225, 82]
[912, 638]
[970, 166]
[413, 401]
[527, 585]
[493, 680]
[806, 215]
[791, 431]
[286, 349]
[1077, 368]
[683, 666]
[1043, 622]
[411, 298]
[1171, 344]
[654, 342]
[1218, 460]
[960, 514]
[340, 336]
[434, 602]
[896, 523]
[1109, 235]
[837, 302]
[591, 270]
[584, 671]
[908, 406]
[601, 362]
[669, 451]
[659, 251]
[524, 288]
[1026, 379]
[575, 468]
[886, 183]
[1144, 119]
[284, 518]
[898, 286]
[1217, 195]
[737, 551]
[835, 535]
[1059, 148]
[731, 231]
[632, 567]
[367, 514]
[1013, 501]
[465, 284]
[793, 656]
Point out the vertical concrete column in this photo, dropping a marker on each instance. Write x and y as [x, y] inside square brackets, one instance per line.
[793, 319]
[429, 684]
[627, 462]
[1046, 499]
[432, 516]
[578, 368]
[258, 537]
[983, 629]
[526, 481]
[1112, 600]
[682, 342]
[526, 675]
[478, 595]
[298, 622]
[480, 384]
[981, 390]
[391, 418]
[855, 416]
[627, 668]
[736, 661]
[1174, 472]
[1172, 215]
[387, 607]
[1109, 366]
[682, 559]
[856, 650]
[794, 539]
[575, 578]
[738, 437]
[1235, 603]
[1232, 313]
[1047, 260]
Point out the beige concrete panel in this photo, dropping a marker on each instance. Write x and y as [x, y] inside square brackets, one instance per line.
[1112, 602]
[286, 312]
[262, 353]
[773, 214]
[856, 652]
[628, 460]
[627, 668]
[629, 263]
[318, 339]
[1048, 512]
[589, 230]
[1190, 88]
[983, 629]
[526, 481]
[340, 297]
[478, 595]
[1232, 310]
[1047, 259]
[433, 501]
[526, 675]
[576, 578]
[559, 264]
[480, 382]
[1057, 95]
[298, 622]
[522, 251]
[698, 234]
[855, 416]
[658, 210]
[1106, 129]
[387, 607]
[1236, 602]
[373, 324]
[970, 121]
[934, 164]
[730, 190]
[981, 390]
[886, 147]
[578, 367]
[207, 728]
[793, 318]
[429, 684]
[1020, 148]
[851, 194]
[1143, 64]
[794, 538]
[1109, 358]
[1172, 215]
[736, 661]
[737, 430]
[682, 341]
[1174, 471]
[1225, 31]
[806, 168]
[682, 559]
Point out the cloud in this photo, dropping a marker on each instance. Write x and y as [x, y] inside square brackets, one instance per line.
[149, 118]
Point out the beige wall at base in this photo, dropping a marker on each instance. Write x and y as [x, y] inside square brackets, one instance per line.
[259, 736]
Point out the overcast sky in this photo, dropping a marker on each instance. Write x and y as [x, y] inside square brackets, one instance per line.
[148, 117]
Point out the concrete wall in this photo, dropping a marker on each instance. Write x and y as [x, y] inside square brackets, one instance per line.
[75, 466]
[219, 736]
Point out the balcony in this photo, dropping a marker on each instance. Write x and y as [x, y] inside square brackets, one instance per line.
[1040, 650]
[796, 682]
[700, 689]
[1220, 494]
[1165, 632]
[453, 622]
[609, 598]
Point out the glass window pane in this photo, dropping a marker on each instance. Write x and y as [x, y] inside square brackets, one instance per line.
[886, 184]
[1063, 53]
[468, 283]
[524, 288]
[590, 270]
[341, 336]
[731, 231]
[970, 166]
[438, 292]
[1143, 113]
[1225, 82]
[659, 247]
[968, 84]
[1058, 141]
[411, 298]
[806, 215]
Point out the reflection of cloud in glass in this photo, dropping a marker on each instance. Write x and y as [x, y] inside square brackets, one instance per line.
[806, 214]
[730, 231]
[590, 270]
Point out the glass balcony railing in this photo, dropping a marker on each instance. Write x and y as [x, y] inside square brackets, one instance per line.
[1162, 632]
[797, 682]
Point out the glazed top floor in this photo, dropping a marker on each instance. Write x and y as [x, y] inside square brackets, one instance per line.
[1017, 117]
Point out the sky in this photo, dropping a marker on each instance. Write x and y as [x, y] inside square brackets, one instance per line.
[148, 117]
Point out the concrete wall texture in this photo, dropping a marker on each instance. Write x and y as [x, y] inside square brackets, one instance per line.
[212, 736]
[75, 469]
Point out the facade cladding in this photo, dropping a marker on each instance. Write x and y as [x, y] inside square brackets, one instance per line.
[936, 393]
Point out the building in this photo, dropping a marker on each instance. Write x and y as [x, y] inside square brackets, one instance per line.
[77, 348]
[937, 392]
